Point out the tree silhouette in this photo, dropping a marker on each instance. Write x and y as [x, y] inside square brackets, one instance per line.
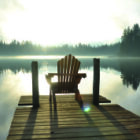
[130, 44]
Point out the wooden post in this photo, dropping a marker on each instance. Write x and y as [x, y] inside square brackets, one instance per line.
[96, 82]
[35, 91]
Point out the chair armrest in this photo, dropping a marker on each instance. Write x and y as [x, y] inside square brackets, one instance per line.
[78, 76]
[49, 77]
[82, 75]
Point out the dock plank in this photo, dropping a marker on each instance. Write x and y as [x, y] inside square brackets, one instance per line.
[27, 100]
[71, 121]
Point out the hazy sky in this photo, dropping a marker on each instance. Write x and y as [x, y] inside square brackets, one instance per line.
[66, 21]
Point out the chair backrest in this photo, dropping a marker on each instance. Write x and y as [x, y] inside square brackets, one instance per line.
[67, 68]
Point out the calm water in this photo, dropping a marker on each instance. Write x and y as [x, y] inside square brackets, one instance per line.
[119, 82]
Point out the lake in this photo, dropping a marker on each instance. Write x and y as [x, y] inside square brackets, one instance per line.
[119, 82]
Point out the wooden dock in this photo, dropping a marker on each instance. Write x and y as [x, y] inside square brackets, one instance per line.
[72, 122]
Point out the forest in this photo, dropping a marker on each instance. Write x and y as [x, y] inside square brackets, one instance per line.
[128, 46]
[130, 41]
[28, 48]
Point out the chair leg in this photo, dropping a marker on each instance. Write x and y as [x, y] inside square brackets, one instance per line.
[77, 95]
[78, 98]
[50, 97]
[54, 100]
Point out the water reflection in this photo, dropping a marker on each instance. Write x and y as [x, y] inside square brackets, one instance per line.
[9, 95]
[112, 88]
[129, 68]
[130, 72]
[25, 64]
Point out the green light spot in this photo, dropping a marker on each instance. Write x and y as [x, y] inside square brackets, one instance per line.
[86, 109]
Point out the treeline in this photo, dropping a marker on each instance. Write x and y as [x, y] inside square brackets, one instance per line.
[129, 46]
[130, 43]
[19, 48]
[28, 48]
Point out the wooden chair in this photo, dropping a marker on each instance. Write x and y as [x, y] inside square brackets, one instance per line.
[68, 77]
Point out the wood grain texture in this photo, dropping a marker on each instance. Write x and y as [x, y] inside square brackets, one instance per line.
[70, 121]
[27, 100]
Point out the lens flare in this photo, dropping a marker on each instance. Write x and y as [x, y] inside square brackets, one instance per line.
[86, 109]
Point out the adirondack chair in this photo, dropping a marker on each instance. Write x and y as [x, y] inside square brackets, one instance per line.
[68, 77]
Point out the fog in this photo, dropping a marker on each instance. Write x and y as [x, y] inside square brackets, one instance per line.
[56, 22]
